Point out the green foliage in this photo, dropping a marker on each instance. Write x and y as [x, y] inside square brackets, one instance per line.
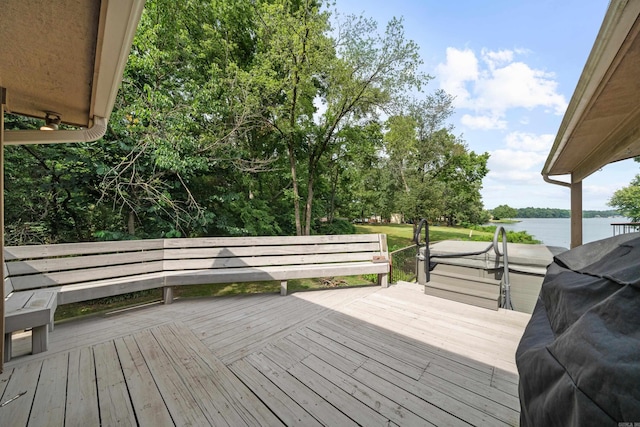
[627, 200]
[531, 212]
[251, 118]
[521, 237]
[435, 176]
[106, 235]
[503, 212]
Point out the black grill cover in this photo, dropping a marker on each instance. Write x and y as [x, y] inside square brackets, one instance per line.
[579, 357]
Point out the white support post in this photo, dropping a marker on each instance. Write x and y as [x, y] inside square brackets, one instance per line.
[283, 287]
[576, 214]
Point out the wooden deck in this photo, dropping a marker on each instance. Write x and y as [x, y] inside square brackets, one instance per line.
[361, 356]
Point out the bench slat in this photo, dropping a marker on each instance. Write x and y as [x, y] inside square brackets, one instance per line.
[259, 261]
[229, 242]
[87, 248]
[200, 277]
[8, 286]
[77, 276]
[109, 287]
[225, 252]
[29, 309]
[16, 301]
[19, 268]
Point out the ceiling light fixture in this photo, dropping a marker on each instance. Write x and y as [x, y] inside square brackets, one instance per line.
[51, 121]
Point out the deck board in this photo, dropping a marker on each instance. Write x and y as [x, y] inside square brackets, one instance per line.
[145, 397]
[82, 392]
[49, 401]
[282, 405]
[23, 378]
[303, 395]
[360, 356]
[183, 407]
[248, 409]
[337, 397]
[113, 396]
[380, 402]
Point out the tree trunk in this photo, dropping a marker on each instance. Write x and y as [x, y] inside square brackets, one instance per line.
[296, 195]
[404, 180]
[334, 187]
[131, 223]
[307, 226]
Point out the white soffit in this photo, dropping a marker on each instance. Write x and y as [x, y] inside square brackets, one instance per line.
[602, 122]
[67, 57]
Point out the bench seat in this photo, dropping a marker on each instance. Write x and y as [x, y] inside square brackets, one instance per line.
[269, 273]
[86, 291]
[30, 309]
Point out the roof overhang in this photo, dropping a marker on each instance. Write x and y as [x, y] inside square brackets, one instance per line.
[602, 122]
[66, 57]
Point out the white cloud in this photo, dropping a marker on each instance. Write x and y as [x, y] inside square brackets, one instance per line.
[517, 85]
[495, 84]
[483, 122]
[516, 159]
[496, 58]
[515, 166]
[461, 67]
[601, 191]
[530, 141]
[515, 176]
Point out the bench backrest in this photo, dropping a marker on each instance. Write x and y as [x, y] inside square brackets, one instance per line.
[238, 252]
[8, 287]
[42, 266]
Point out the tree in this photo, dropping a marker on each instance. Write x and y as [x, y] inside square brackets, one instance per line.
[249, 118]
[462, 177]
[504, 211]
[352, 76]
[437, 176]
[627, 200]
[50, 191]
[178, 121]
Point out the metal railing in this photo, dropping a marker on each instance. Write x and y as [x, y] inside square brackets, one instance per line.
[506, 285]
[403, 264]
[625, 227]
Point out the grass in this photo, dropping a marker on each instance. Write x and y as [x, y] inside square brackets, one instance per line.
[401, 235]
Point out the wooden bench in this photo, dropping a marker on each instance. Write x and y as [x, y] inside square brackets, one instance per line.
[28, 309]
[38, 278]
[254, 259]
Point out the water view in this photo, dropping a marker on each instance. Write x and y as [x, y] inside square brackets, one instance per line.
[557, 231]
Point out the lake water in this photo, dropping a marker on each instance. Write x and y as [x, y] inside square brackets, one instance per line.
[557, 231]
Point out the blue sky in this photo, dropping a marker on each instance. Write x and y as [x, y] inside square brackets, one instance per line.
[513, 66]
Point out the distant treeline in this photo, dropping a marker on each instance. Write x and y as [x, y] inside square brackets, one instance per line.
[560, 213]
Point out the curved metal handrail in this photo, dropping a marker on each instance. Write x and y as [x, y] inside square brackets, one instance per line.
[506, 296]
[427, 254]
[506, 290]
